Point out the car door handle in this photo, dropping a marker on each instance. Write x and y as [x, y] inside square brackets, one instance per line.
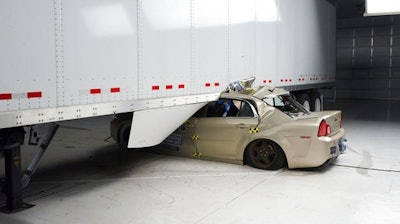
[241, 126]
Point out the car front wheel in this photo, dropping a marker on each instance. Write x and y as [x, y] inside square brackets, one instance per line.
[264, 154]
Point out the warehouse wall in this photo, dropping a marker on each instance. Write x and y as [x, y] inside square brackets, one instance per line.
[368, 68]
[368, 58]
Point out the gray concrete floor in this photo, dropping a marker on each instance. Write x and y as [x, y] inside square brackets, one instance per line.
[84, 179]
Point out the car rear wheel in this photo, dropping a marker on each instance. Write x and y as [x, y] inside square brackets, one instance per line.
[264, 154]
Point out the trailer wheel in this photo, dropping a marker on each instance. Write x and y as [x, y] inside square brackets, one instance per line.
[123, 135]
[316, 102]
[265, 154]
[304, 100]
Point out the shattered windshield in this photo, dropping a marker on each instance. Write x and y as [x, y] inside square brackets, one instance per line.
[287, 104]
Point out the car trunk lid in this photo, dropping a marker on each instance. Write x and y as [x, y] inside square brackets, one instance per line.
[332, 118]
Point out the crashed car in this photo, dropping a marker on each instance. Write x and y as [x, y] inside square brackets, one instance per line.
[265, 128]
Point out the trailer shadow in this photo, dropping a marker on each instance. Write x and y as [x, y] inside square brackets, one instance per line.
[101, 165]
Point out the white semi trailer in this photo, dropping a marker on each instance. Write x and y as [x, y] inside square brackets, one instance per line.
[72, 59]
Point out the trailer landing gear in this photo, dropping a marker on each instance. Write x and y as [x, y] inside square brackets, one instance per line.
[10, 144]
[11, 140]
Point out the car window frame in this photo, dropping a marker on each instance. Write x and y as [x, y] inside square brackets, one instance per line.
[202, 113]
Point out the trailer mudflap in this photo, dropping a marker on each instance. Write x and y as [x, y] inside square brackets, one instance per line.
[151, 127]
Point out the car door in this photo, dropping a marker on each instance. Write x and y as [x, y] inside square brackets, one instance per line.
[226, 128]
[182, 140]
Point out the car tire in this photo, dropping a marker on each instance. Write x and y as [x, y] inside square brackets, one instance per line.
[316, 102]
[123, 134]
[304, 100]
[265, 154]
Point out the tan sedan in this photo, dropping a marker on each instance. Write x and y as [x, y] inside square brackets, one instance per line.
[265, 128]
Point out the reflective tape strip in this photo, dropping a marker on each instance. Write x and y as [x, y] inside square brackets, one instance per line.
[34, 95]
[168, 87]
[95, 91]
[27, 95]
[5, 96]
[115, 90]
[208, 84]
[286, 80]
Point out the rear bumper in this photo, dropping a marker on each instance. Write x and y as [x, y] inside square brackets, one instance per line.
[331, 148]
[322, 151]
[336, 143]
[338, 148]
[336, 151]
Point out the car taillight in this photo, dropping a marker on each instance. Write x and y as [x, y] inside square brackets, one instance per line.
[324, 129]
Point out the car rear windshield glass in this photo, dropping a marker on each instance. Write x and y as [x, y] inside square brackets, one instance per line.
[286, 104]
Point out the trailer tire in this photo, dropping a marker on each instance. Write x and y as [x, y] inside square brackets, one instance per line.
[316, 102]
[123, 135]
[304, 100]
